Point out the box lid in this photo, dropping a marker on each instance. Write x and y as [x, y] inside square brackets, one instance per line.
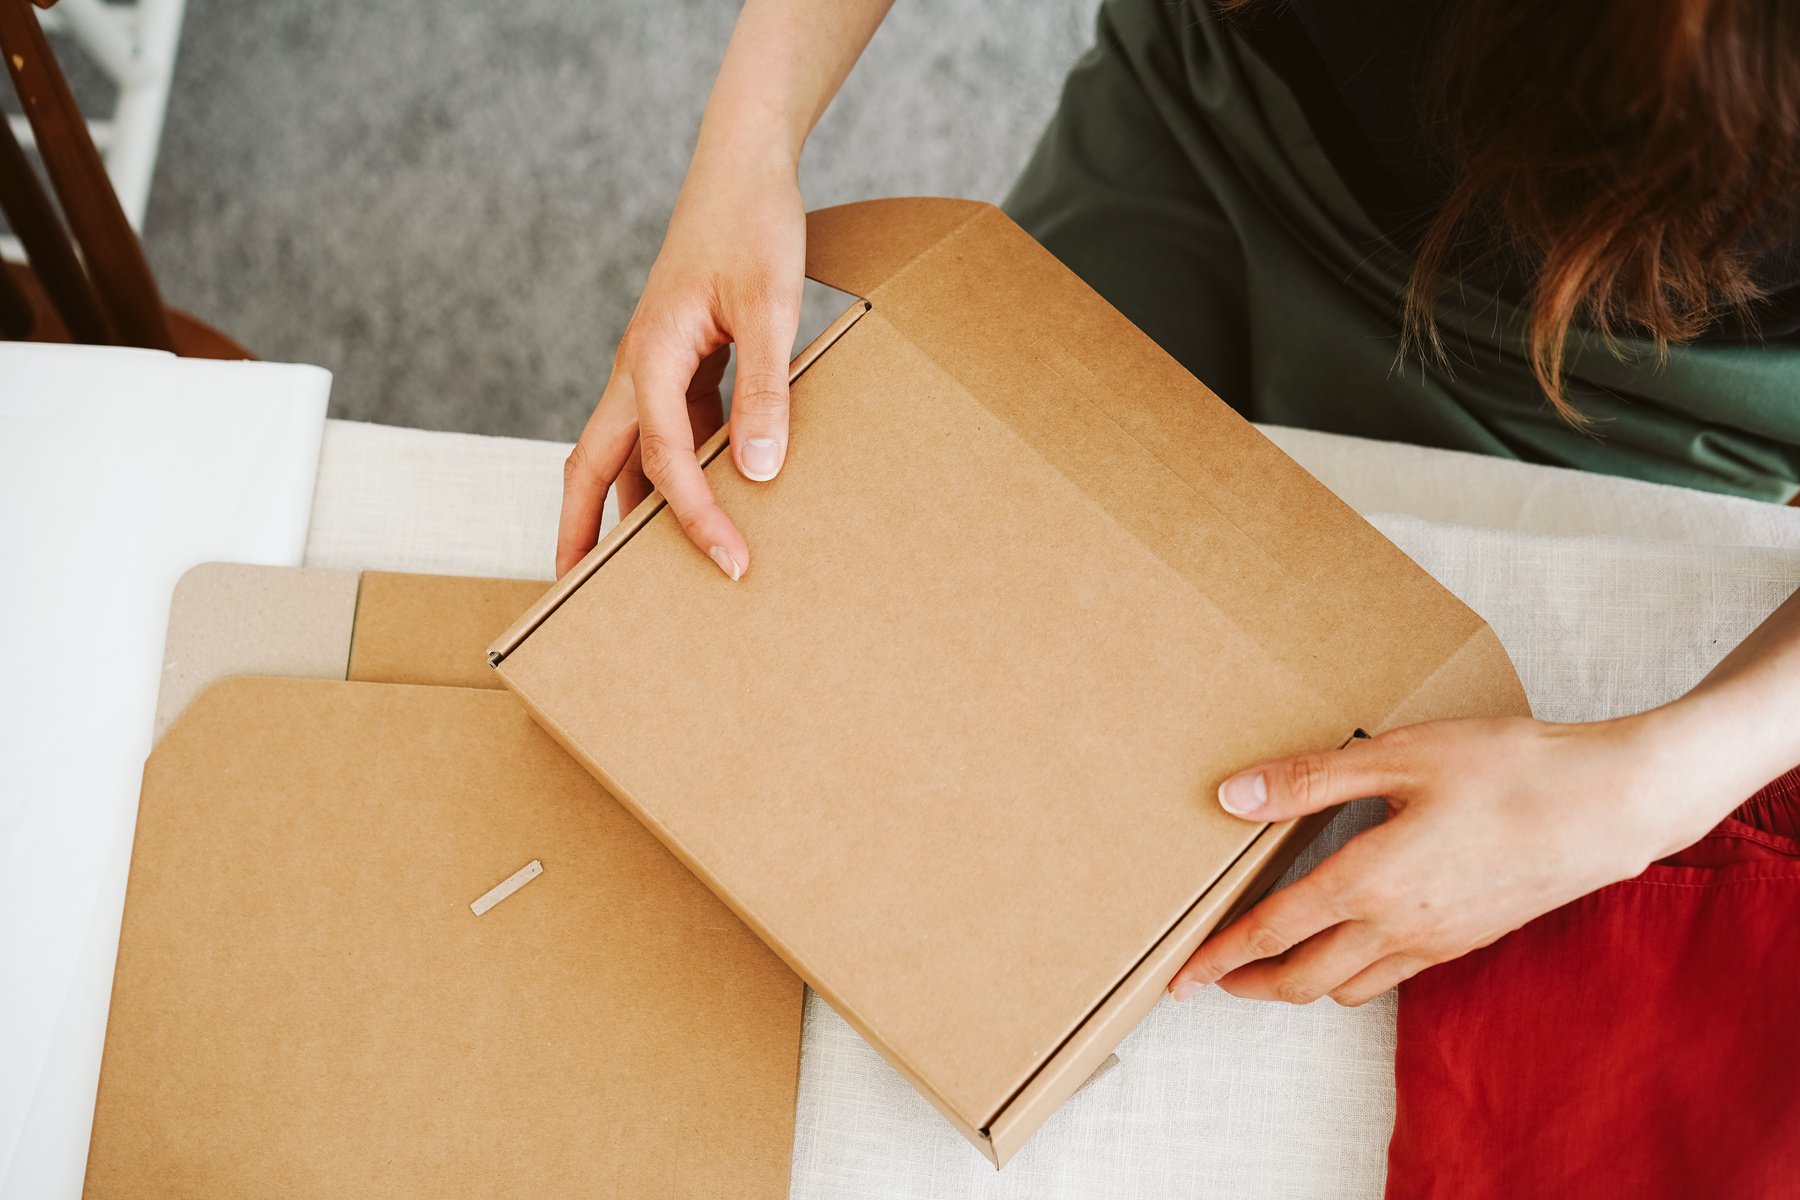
[1024, 593]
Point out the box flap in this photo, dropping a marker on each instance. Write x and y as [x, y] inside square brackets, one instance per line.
[311, 623]
[859, 248]
[305, 1001]
[1024, 594]
[237, 619]
[433, 628]
[1128, 427]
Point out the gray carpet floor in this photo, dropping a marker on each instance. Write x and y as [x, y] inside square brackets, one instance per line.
[452, 204]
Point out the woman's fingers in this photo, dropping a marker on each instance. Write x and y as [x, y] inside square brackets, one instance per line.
[704, 418]
[662, 378]
[659, 402]
[590, 469]
[705, 405]
[759, 399]
[1277, 791]
[1316, 967]
[1307, 783]
[632, 487]
[1273, 927]
[1389, 972]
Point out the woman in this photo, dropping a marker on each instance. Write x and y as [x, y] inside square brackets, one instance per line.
[1577, 217]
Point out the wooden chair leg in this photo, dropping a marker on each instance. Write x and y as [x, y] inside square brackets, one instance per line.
[17, 319]
[115, 259]
[40, 231]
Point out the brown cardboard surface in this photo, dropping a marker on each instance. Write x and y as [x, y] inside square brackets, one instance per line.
[306, 623]
[299, 1010]
[305, 1004]
[231, 619]
[1024, 593]
[433, 628]
[1067, 1071]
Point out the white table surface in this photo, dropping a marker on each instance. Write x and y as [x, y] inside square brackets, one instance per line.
[1610, 595]
[409, 500]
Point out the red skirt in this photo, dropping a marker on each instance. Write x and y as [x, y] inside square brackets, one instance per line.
[1642, 1042]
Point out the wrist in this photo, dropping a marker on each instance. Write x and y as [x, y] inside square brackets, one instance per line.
[1699, 757]
[756, 137]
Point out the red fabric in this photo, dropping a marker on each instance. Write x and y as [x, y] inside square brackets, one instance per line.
[1642, 1042]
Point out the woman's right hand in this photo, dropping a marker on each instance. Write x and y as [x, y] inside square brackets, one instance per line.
[731, 269]
[730, 272]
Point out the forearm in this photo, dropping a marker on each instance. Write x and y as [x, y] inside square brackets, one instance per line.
[1740, 725]
[786, 60]
[1755, 690]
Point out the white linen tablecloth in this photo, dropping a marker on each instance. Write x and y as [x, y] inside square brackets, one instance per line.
[1610, 595]
[410, 500]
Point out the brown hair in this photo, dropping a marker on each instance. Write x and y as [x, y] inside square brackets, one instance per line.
[1636, 157]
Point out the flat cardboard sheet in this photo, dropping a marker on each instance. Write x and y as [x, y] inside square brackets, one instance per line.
[235, 619]
[305, 1004]
[305, 1001]
[1023, 595]
[311, 623]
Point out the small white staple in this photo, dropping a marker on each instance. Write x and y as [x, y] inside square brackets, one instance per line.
[507, 887]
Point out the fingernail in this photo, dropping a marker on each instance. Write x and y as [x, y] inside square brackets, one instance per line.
[727, 564]
[1186, 990]
[761, 458]
[1242, 795]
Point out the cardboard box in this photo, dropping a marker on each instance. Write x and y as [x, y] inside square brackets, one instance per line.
[1024, 594]
[305, 1000]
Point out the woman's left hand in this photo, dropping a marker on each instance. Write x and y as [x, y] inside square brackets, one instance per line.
[1491, 823]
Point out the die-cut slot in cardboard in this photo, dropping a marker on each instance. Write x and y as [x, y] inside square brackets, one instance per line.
[306, 1003]
[1024, 594]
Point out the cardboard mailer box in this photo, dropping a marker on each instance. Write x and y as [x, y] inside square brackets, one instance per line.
[1023, 595]
[383, 939]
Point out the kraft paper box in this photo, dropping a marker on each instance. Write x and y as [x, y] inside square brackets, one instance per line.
[1023, 595]
[306, 1002]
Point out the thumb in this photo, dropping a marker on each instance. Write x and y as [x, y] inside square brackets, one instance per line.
[1308, 783]
[759, 400]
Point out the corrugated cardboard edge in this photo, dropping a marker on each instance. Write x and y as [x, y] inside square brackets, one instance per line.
[640, 516]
